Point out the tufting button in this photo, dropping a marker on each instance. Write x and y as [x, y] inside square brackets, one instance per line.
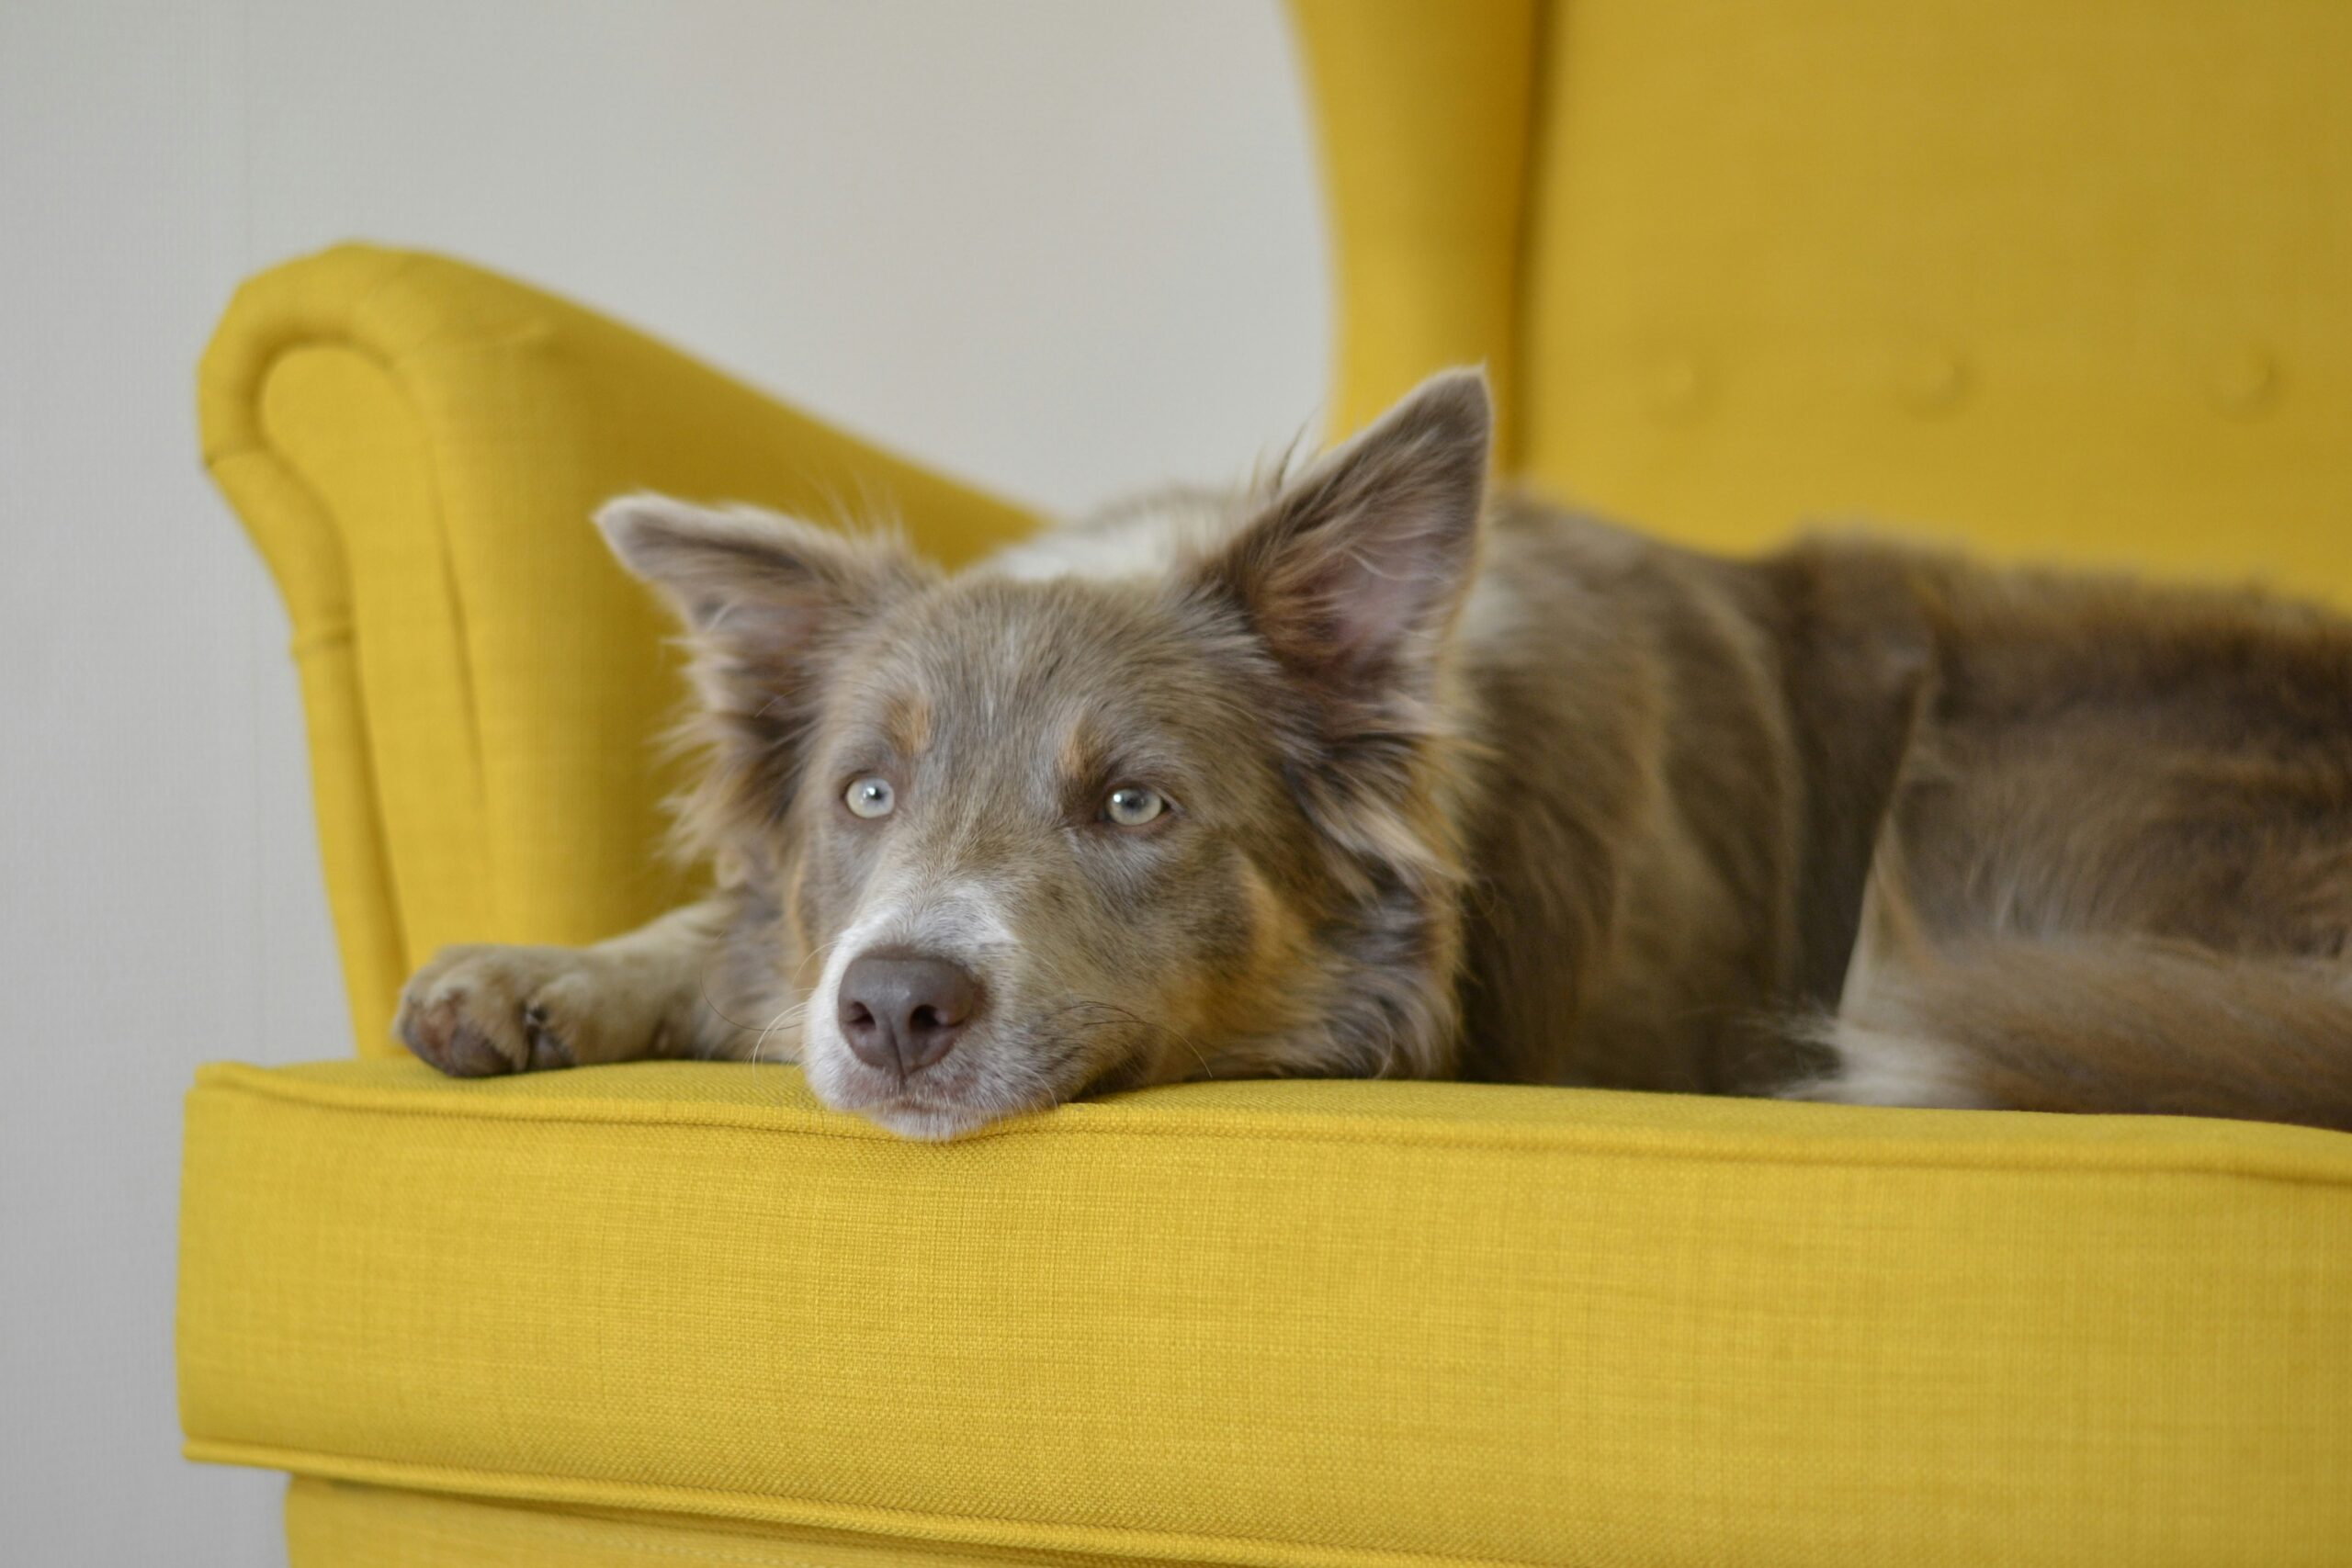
[1931, 381]
[2243, 381]
[1674, 388]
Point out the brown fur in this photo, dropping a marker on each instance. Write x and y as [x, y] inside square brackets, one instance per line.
[1530, 799]
[2120, 1024]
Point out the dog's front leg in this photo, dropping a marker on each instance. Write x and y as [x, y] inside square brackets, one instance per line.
[477, 1009]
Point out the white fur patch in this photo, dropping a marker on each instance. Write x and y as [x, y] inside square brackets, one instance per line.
[1878, 1066]
[1146, 542]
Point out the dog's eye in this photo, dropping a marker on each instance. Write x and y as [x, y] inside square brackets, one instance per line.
[1132, 805]
[871, 796]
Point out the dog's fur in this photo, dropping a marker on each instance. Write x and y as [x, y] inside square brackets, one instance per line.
[1482, 791]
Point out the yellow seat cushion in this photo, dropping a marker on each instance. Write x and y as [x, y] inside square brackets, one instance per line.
[1334, 1323]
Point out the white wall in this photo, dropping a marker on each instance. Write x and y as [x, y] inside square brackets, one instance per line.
[1064, 246]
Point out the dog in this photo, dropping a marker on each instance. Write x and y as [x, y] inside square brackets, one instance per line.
[1363, 773]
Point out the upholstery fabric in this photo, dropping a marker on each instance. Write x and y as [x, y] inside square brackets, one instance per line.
[2049, 281]
[333, 1524]
[1341, 1323]
[1426, 113]
[2060, 279]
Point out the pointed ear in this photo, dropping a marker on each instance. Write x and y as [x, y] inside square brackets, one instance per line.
[741, 574]
[1352, 573]
[766, 599]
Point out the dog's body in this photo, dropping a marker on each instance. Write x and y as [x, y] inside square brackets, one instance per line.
[1335, 779]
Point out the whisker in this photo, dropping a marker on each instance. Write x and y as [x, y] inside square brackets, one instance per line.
[759, 1045]
[702, 982]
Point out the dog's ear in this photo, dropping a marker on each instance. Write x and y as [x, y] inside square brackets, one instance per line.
[1351, 575]
[744, 575]
[766, 601]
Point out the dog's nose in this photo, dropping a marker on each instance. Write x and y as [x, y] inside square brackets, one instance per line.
[901, 1012]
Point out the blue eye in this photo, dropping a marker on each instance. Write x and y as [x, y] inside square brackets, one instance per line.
[870, 798]
[1132, 805]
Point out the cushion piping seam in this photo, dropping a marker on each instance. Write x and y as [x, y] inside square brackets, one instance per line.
[967, 1529]
[1393, 1132]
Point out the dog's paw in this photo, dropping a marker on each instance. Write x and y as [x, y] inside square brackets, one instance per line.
[479, 1010]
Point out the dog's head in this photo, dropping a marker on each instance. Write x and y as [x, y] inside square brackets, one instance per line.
[1030, 838]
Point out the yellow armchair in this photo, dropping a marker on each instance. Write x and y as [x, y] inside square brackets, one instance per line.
[2055, 278]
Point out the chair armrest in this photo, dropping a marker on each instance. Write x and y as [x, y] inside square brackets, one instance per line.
[415, 445]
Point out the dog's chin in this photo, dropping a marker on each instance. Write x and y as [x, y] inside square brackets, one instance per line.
[911, 1119]
[932, 1112]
